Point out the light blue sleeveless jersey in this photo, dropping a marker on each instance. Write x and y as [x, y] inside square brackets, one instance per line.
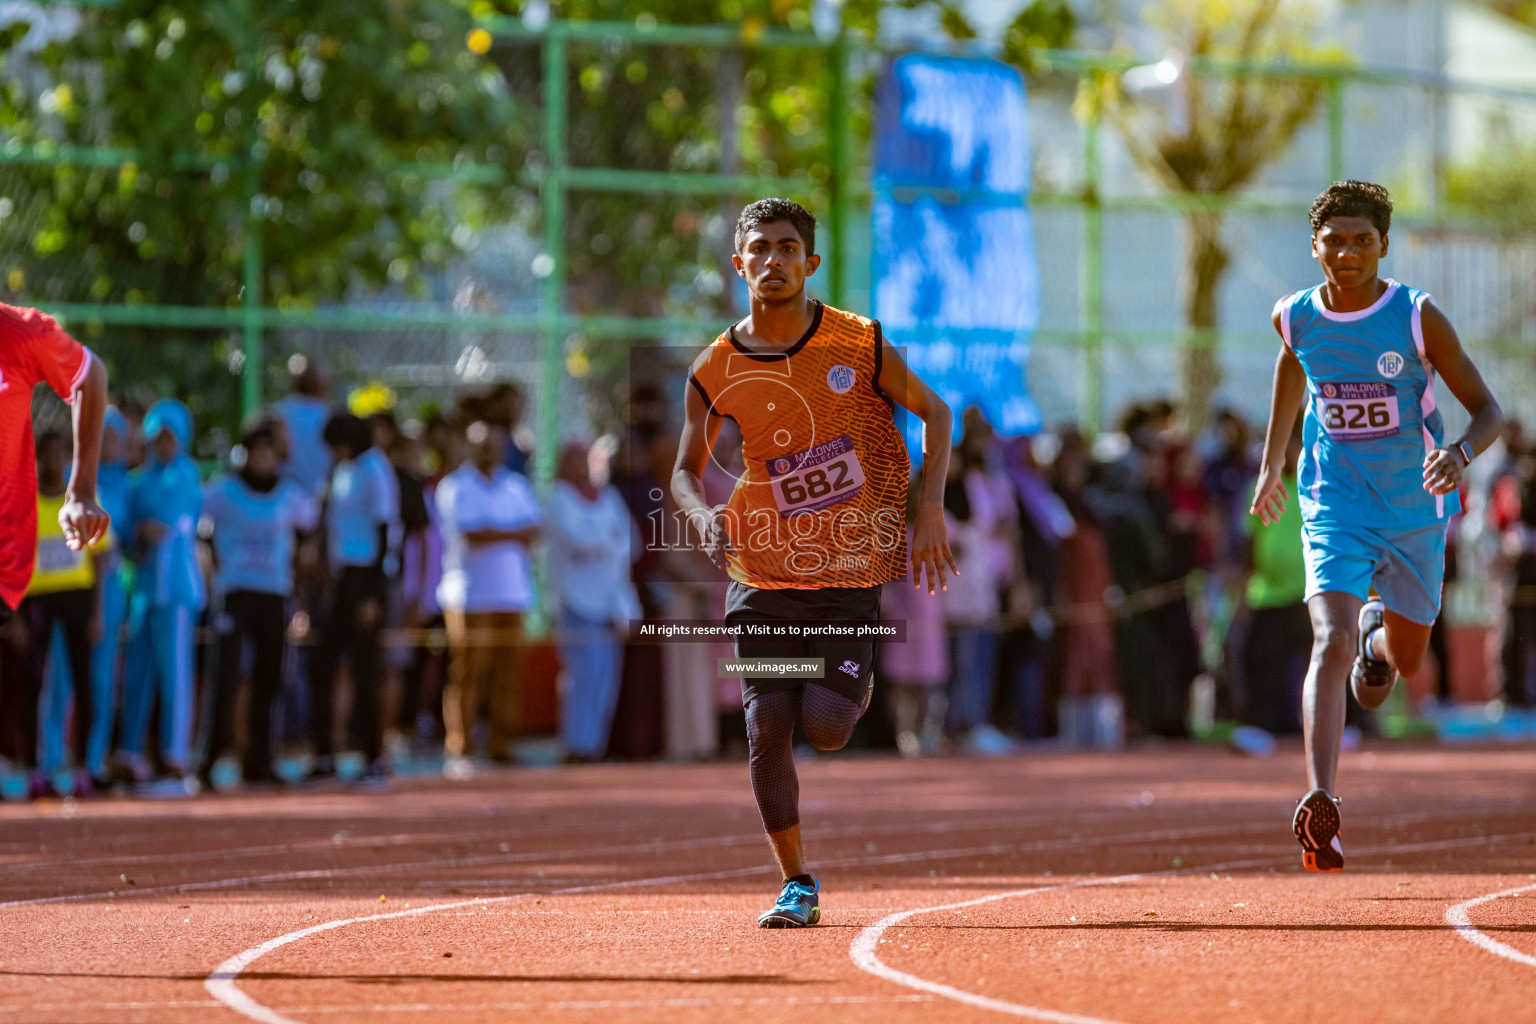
[1370, 416]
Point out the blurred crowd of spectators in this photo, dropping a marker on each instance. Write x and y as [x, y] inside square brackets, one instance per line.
[354, 583]
[343, 584]
[1094, 577]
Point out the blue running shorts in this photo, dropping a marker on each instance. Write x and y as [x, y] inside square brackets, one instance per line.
[1406, 566]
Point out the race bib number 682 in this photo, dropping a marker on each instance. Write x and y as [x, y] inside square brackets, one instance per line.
[817, 478]
[1358, 412]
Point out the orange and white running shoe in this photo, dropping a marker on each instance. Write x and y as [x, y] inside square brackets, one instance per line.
[1317, 829]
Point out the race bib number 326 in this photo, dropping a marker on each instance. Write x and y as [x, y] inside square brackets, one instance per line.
[817, 478]
[1358, 412]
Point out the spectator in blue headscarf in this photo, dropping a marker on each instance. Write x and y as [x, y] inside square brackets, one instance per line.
[112, 493]
[165, 499]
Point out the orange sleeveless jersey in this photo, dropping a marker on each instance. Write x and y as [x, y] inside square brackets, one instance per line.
[822, 501]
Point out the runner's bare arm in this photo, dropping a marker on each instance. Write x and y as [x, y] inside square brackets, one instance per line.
[83, 520]
[701, 429]
[930, 537]
[1443, 467]
[1286, 397]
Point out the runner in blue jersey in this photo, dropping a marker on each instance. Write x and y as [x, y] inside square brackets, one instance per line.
[1377, 482]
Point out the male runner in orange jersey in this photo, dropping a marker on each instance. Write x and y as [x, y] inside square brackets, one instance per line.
[817, 521]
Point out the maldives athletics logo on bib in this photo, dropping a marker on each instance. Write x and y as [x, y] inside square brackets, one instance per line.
[840, 379]
[1389, 364]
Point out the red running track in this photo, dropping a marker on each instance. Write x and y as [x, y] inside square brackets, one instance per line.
[1146, 887]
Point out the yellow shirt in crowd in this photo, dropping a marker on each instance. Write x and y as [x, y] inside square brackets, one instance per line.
[59, 568]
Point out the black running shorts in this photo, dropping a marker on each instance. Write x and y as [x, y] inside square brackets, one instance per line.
[849, 664]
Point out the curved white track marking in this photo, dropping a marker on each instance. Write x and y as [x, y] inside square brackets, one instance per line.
[865, 958]
[864, 950]
[865, 955]
[221, 984]
[1457, 917]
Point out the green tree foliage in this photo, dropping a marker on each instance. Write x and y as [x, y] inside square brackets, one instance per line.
[1500, 185]
[1520, 10]
[738, 110]
[743, 110]
[746, 110]
[1040, 25]
[307, 122]
[1213, 135]
[341, 103]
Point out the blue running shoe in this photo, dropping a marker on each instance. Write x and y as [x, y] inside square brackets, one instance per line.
[799, 906]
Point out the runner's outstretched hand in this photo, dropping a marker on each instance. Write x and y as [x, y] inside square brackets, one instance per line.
[1442, 472]
[84, 522]
[1269, 496]
[930, 549]
[717, 543]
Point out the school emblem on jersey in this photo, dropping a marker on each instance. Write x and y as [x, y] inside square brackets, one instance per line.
[1390, 364]
[840, 379]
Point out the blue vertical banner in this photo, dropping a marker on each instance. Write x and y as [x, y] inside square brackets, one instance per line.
[955, 280]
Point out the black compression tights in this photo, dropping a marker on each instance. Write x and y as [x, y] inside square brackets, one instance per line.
[828, 720]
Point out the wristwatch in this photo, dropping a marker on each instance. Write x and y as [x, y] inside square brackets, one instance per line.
[1467, 453]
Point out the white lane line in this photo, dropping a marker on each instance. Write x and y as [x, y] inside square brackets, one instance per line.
[738, 839]
[225, 853]
[607, 1004]
[709, 842]
[865, 956]
[572, 830]
[372, 869]
[1458, 917]
[221, 984]
[76, 1007]
[568, 831]
[825, 832]
[524, 1007]
[228, 971]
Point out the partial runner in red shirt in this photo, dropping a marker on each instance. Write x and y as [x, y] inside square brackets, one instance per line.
[33, 349]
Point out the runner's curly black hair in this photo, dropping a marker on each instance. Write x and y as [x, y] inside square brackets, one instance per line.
[1352, 199]
[769, 211]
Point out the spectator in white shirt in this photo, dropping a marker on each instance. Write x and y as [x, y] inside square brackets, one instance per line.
[592, 543]
[362, 522]
[252, 517]
[488, 516]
